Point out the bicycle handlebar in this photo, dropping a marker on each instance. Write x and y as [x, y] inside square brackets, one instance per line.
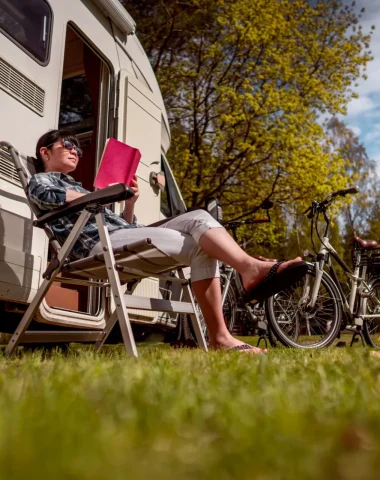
[347, 191]
[322, 206]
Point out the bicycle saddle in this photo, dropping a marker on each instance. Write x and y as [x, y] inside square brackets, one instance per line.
[367, 244]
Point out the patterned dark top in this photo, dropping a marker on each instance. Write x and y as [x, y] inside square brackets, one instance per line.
[48, 191]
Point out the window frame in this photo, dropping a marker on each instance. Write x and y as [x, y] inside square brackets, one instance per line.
[25, 50]
[171, 184]
[106, 93]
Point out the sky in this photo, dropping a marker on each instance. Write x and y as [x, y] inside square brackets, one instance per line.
[363, 114]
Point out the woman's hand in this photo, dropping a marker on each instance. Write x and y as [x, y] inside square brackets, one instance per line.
[130, 203]
[135, 187]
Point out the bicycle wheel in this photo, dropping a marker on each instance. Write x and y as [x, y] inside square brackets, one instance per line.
[295, 324]
[371, 326]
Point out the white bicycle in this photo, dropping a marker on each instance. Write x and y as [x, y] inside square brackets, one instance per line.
[315, 311]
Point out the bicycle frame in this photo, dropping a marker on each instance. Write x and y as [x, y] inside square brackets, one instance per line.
[227, 284]
[228, 273]
[358, 284]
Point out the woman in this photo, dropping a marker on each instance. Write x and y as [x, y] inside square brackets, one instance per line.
[193, 238]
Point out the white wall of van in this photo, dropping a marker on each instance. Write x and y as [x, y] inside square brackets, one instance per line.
[35, 97]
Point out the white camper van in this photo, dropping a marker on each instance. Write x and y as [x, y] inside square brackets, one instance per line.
[78, 65]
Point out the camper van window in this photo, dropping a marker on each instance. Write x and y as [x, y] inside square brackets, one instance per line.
[28, 24]
[171, 199]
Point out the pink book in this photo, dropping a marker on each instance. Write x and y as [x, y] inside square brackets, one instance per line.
[118, 165]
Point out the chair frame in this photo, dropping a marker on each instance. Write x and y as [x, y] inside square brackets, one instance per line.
[89, 204]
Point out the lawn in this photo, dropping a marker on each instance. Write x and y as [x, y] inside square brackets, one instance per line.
[189, 415]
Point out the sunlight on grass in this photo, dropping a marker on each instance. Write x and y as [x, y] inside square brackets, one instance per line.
[186, 414]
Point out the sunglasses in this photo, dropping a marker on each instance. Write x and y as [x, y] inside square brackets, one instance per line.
[69, 146]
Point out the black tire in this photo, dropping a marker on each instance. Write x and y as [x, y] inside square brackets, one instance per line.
[295, 326]
[371, 327]
[229, 308]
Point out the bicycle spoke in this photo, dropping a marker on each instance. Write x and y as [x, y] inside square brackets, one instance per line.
[372, 325]
[298, 324]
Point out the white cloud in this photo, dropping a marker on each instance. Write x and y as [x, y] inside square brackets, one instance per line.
[360, 105]
[373, 114]
[372, 84]
[357, 130]
[370, 17]
[377, 160]
[364, 112]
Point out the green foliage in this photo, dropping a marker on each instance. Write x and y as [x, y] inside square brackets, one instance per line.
[186, 415]
[359, 213]
[373, 230]
[353, 215]
[244, 83]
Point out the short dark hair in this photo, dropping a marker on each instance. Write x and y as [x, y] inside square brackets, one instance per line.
[47, 140]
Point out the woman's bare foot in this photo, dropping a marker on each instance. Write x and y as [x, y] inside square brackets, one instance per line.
[259, 270]
[228, 342]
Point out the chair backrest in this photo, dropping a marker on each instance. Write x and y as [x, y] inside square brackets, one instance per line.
[24, 176]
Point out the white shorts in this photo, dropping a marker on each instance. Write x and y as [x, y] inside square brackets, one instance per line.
[178, 238]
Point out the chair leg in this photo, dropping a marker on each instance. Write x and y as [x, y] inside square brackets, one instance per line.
[110, 322]
[40, 295]
[188, 295]
[117, 291]
[28, 317]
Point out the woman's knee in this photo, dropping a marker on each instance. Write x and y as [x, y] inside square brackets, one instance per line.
[196, 223]
[202, 215]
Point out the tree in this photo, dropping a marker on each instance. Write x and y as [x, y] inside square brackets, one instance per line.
[244, 83]
[359, 213]
[362, 172]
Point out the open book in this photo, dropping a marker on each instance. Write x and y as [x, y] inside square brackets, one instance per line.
[118, 165]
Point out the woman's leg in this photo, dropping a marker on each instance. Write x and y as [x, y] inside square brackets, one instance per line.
[209, 297]
[216, 242]
[177, 245]
[204, 271]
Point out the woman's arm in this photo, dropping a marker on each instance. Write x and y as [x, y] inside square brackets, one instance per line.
[45, 192]
[48, 194]
[73, 195]
[129, 207]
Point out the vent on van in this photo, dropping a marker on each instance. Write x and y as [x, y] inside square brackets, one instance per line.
[20, 87]
[8, 170]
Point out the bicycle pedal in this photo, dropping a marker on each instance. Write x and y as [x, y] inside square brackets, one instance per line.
[341, 344]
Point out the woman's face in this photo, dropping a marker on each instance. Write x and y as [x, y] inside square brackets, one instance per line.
[62, 156]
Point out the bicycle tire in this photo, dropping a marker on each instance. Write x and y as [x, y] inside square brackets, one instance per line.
[321, 325]
[371, 328]
[229, 310]
[229, 307]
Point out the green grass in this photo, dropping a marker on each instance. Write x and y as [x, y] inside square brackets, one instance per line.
[189, 415]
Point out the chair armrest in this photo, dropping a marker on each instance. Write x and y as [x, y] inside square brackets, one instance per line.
[112, 194]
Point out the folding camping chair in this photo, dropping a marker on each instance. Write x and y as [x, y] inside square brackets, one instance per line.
[113, 268]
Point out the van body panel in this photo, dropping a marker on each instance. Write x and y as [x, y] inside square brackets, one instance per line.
[137, 107]
[135, 115]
